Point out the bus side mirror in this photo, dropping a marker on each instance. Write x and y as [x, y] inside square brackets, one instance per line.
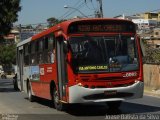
[65, 47]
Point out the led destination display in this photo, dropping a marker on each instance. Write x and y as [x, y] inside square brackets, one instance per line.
[101, 27]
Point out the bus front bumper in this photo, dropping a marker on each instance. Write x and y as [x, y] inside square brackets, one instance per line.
[79, 94]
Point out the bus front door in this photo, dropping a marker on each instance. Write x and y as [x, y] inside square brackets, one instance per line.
[61, 67]
[20, 65]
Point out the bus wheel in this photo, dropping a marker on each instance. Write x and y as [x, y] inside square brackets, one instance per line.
[57, 104]
[30, 96]
[114, 104]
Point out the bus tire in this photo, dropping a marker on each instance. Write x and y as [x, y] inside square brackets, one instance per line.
[30, 96]
[114, 104]
[57, 104]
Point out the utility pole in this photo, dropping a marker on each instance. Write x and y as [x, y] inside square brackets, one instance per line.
[100, 9]
[99, 12]
[20, 32]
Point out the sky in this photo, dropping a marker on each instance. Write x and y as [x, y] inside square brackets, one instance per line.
[38, 11]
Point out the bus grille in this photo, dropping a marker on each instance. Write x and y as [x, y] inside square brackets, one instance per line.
[103, 96]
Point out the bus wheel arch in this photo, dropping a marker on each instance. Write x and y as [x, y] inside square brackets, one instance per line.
[55, 97]
[52, 86]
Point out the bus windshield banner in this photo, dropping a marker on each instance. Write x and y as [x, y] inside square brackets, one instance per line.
[93, 68]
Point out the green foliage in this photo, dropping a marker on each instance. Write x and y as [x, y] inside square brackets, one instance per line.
[53, 21]
[8, 14]
[8, 54]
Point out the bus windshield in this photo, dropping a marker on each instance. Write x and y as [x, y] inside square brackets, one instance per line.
[117, 53]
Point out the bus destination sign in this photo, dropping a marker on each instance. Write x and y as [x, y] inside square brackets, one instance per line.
[112, 27]
[100, 28]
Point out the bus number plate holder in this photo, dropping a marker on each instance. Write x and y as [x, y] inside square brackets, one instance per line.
[108, 93]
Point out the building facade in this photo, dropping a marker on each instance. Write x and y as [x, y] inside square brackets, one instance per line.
[151, 16]
[145, 23]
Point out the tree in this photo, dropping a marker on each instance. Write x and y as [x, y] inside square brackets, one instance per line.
[8, 54]
[8, 57]
[53, 21]
[8, 15]
[29, 27]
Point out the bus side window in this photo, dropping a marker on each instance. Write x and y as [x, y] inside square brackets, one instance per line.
[51, 42]
[51, 49]
[49, 46]
[46, 43]
[33, 56]
[45, 52]
[26, 54]
[40, 51]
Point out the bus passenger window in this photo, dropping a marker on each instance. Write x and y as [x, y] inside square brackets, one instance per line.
[40, 46]
[51, 42]
[40, 58]
[26, 54]
[33, 56]
[40, 51]
[51, 49]
[53, 56]
[46, 43]
[33, 48]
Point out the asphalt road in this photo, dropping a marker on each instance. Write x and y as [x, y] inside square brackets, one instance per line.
[15, 106]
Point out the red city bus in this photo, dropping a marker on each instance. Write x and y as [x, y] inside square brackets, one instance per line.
[81, 61]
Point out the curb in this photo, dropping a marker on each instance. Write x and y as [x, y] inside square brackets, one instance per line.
[153, 93]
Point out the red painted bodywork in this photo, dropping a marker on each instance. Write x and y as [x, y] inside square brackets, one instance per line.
[42, 88]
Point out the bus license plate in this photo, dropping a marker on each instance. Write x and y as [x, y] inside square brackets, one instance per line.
[114, 92]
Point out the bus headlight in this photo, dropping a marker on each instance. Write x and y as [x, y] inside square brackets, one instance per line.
[79, 84]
